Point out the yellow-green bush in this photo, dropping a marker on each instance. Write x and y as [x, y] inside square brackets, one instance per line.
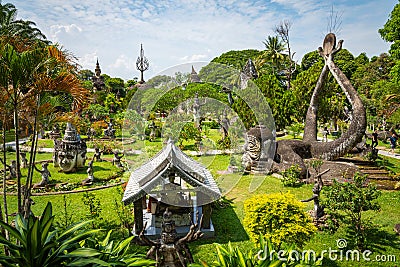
[279, 217]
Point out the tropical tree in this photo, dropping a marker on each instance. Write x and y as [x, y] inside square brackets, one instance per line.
[25, 76]
[273, 53]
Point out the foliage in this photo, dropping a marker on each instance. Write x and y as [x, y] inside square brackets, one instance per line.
[291, 176]
[278, 216]
[124, 212]
[66, 216]
[107, 252]
[265, 255]
[296, 128]
[38, 244]
[93, 207]
[352, 199]
[189, 132]
[237, 59]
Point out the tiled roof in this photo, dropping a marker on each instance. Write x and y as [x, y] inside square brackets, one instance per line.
[149, 175]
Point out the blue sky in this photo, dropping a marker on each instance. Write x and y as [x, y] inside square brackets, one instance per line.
[181, 31]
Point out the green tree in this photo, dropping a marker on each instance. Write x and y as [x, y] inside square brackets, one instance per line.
[352, 199]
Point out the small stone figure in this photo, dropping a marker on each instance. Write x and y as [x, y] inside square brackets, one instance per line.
[170, 250]
[97, 154]
[45, 175]
[117, 160]
[24, 161]
[89, 180]
[12, 169]
[318, 209]
[197, 111]
[374, 142]
[152, 126]
[110, 131]
[55, 132]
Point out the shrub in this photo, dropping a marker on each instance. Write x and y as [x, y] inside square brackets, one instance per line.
[279, 217]
[352, 199]
[291, 176]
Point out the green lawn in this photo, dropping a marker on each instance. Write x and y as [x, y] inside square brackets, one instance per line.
[227, 221]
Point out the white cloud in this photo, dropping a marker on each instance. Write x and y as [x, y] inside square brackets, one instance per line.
[193, 58]
[176, 31]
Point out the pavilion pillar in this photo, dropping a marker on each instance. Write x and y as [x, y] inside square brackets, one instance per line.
[138, 215]
[206, 216]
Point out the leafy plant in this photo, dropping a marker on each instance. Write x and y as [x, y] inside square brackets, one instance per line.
[352, 199]
[265, 255]
[107, 252]
[291, 176]
[38, 244]
[279, 217]
[66, 216]
[93, 205]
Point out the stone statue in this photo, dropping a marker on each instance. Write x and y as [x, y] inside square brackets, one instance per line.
[97, 154]
[170, 250]
[225, 124]
[24, 161]
[197, 111]
[248, 72]
[142, 64]
[110, 131]
[97, 79]
[294, 151]
[152, 127]
[318, 209]
[117, 160]
[55, 132]
[89, 180]
[71, 151]
[12, 169]
[45, 175]
[257, 147]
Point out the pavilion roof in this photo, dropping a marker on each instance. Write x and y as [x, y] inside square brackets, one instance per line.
[149, 175]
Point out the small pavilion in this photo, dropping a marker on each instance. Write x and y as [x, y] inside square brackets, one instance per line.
[173, 180]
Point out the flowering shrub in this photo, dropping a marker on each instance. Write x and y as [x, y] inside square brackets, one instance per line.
[279, 217]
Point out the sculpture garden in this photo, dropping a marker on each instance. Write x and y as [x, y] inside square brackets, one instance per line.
[224, 167]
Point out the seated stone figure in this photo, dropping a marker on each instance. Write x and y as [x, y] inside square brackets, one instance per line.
[45, 175]
[97, 154]
[117, 160]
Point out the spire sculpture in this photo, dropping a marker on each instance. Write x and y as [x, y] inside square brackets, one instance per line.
[97, 79]
[142, 63]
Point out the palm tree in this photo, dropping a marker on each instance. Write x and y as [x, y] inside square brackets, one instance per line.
[274, 50]
[15, 31]
[26, 75]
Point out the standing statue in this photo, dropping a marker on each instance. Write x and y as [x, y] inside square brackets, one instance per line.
[45, 175]
[89, 180]
[292, 152]
[170, 250]
[110, 131]
[117, 160]
[197, 111]
[12, 169]
[224, 124]
[24, 161]
[318, 209]
[97, 154]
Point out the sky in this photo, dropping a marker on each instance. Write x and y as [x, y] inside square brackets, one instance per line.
[174, 32]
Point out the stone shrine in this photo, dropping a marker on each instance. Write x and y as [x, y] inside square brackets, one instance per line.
[71, 151]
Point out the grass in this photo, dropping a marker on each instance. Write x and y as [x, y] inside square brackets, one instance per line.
[228, 221]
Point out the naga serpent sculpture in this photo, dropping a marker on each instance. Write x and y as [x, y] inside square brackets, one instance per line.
[290, 152]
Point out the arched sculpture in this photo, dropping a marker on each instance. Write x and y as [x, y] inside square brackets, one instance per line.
[293, 152]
